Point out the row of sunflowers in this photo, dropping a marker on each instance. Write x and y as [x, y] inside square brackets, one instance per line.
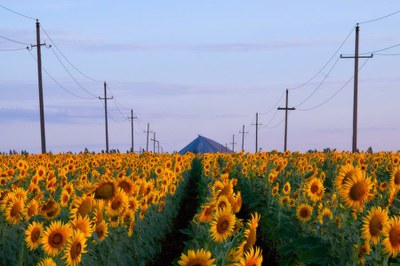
[324, 208]
[95, 209]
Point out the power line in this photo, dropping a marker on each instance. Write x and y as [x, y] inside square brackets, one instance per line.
[275, 105]
[333, 95]
[62, 87]
[276, 125]
[72, 77]
[330, 59]
[17, 13]
[83, 74]
[381, 50]
[319, 85]
[12, 50]
[387, 54]
[14, 41]
[380, 18]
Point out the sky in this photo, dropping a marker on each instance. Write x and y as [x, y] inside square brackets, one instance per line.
[199, 67]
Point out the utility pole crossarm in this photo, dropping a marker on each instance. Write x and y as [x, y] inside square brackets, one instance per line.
[286, 108]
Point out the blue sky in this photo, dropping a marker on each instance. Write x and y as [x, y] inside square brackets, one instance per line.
[199, 67]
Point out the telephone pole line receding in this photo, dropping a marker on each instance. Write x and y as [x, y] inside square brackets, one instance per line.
[243, 132]
[286, 117]
[154, 142]
[356, 57]
[105, 112]
[233, 143]
[257, 125]
[40, 85]
[132, 132]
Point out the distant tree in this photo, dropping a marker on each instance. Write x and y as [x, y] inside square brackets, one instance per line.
[369, 150]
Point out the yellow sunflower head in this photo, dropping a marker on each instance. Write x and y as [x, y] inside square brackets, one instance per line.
[391, 242]
[373, 224]
[315, 189]
[83, 225]
[101, 230]
[253, 257]
[47, 262]
[75, 248]
[222, 225]
[356, 191]
[33, 234]
[304, 212]
[55, 237]
[196, 257]
[395, 178]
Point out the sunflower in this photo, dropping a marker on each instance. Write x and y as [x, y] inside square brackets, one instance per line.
[206, 213]
[126, 184]
[315, 189]
[362, 250]
[391, 242]
[250, 234]
[101, 230]
[196, 258]
[252, 257]
[356, 191]
[64, 198]
[222, 225]
[47, 262]
[373, 224]
[31, 209]
[345, 174]
[83, 225]
[286, 188]
[55, 237]
[52, 213]
[222, 202]
[325, 213]
[14, 210]
[75, 248]
[395, 178]
[105, 190]
[33, 233]
[237, 203]
[304, 212]
[81, 206]
[116, 205]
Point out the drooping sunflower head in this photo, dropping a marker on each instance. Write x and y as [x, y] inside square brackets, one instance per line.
[81, 206]
[199, 257]
[356, 191]
[326, 213]
[14, 210]
[105, 190]
[101, 230]
[33, 234]
[117, 204]
[304, 212]
[55, 237]
[391, 242]
[373, 224]
[206, 213]
[222, 202]
[126, 184]
[222, 225]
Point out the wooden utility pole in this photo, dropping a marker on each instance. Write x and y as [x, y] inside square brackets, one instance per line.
[154, 142]
[243, 132]
[147, 139]
[355, 103]
[105, 112]
[257, 125]
[40, 85]
[132, 132]
[286, 117]
[233, 143]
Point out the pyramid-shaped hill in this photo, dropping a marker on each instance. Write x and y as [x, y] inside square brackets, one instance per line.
[204, 145]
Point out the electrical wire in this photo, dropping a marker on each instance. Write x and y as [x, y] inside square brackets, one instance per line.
[83, 74]
[62, 87]
[274, 126]
[275, 105]
[337, 92]
[15, 12]
[14, 41]
[380, 18]
[319, 85]
[72, 77]
[381, 50]
[388, 54]
[326, 64]
[12, 50]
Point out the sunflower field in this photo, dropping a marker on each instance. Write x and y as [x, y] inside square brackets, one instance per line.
[316, 208]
